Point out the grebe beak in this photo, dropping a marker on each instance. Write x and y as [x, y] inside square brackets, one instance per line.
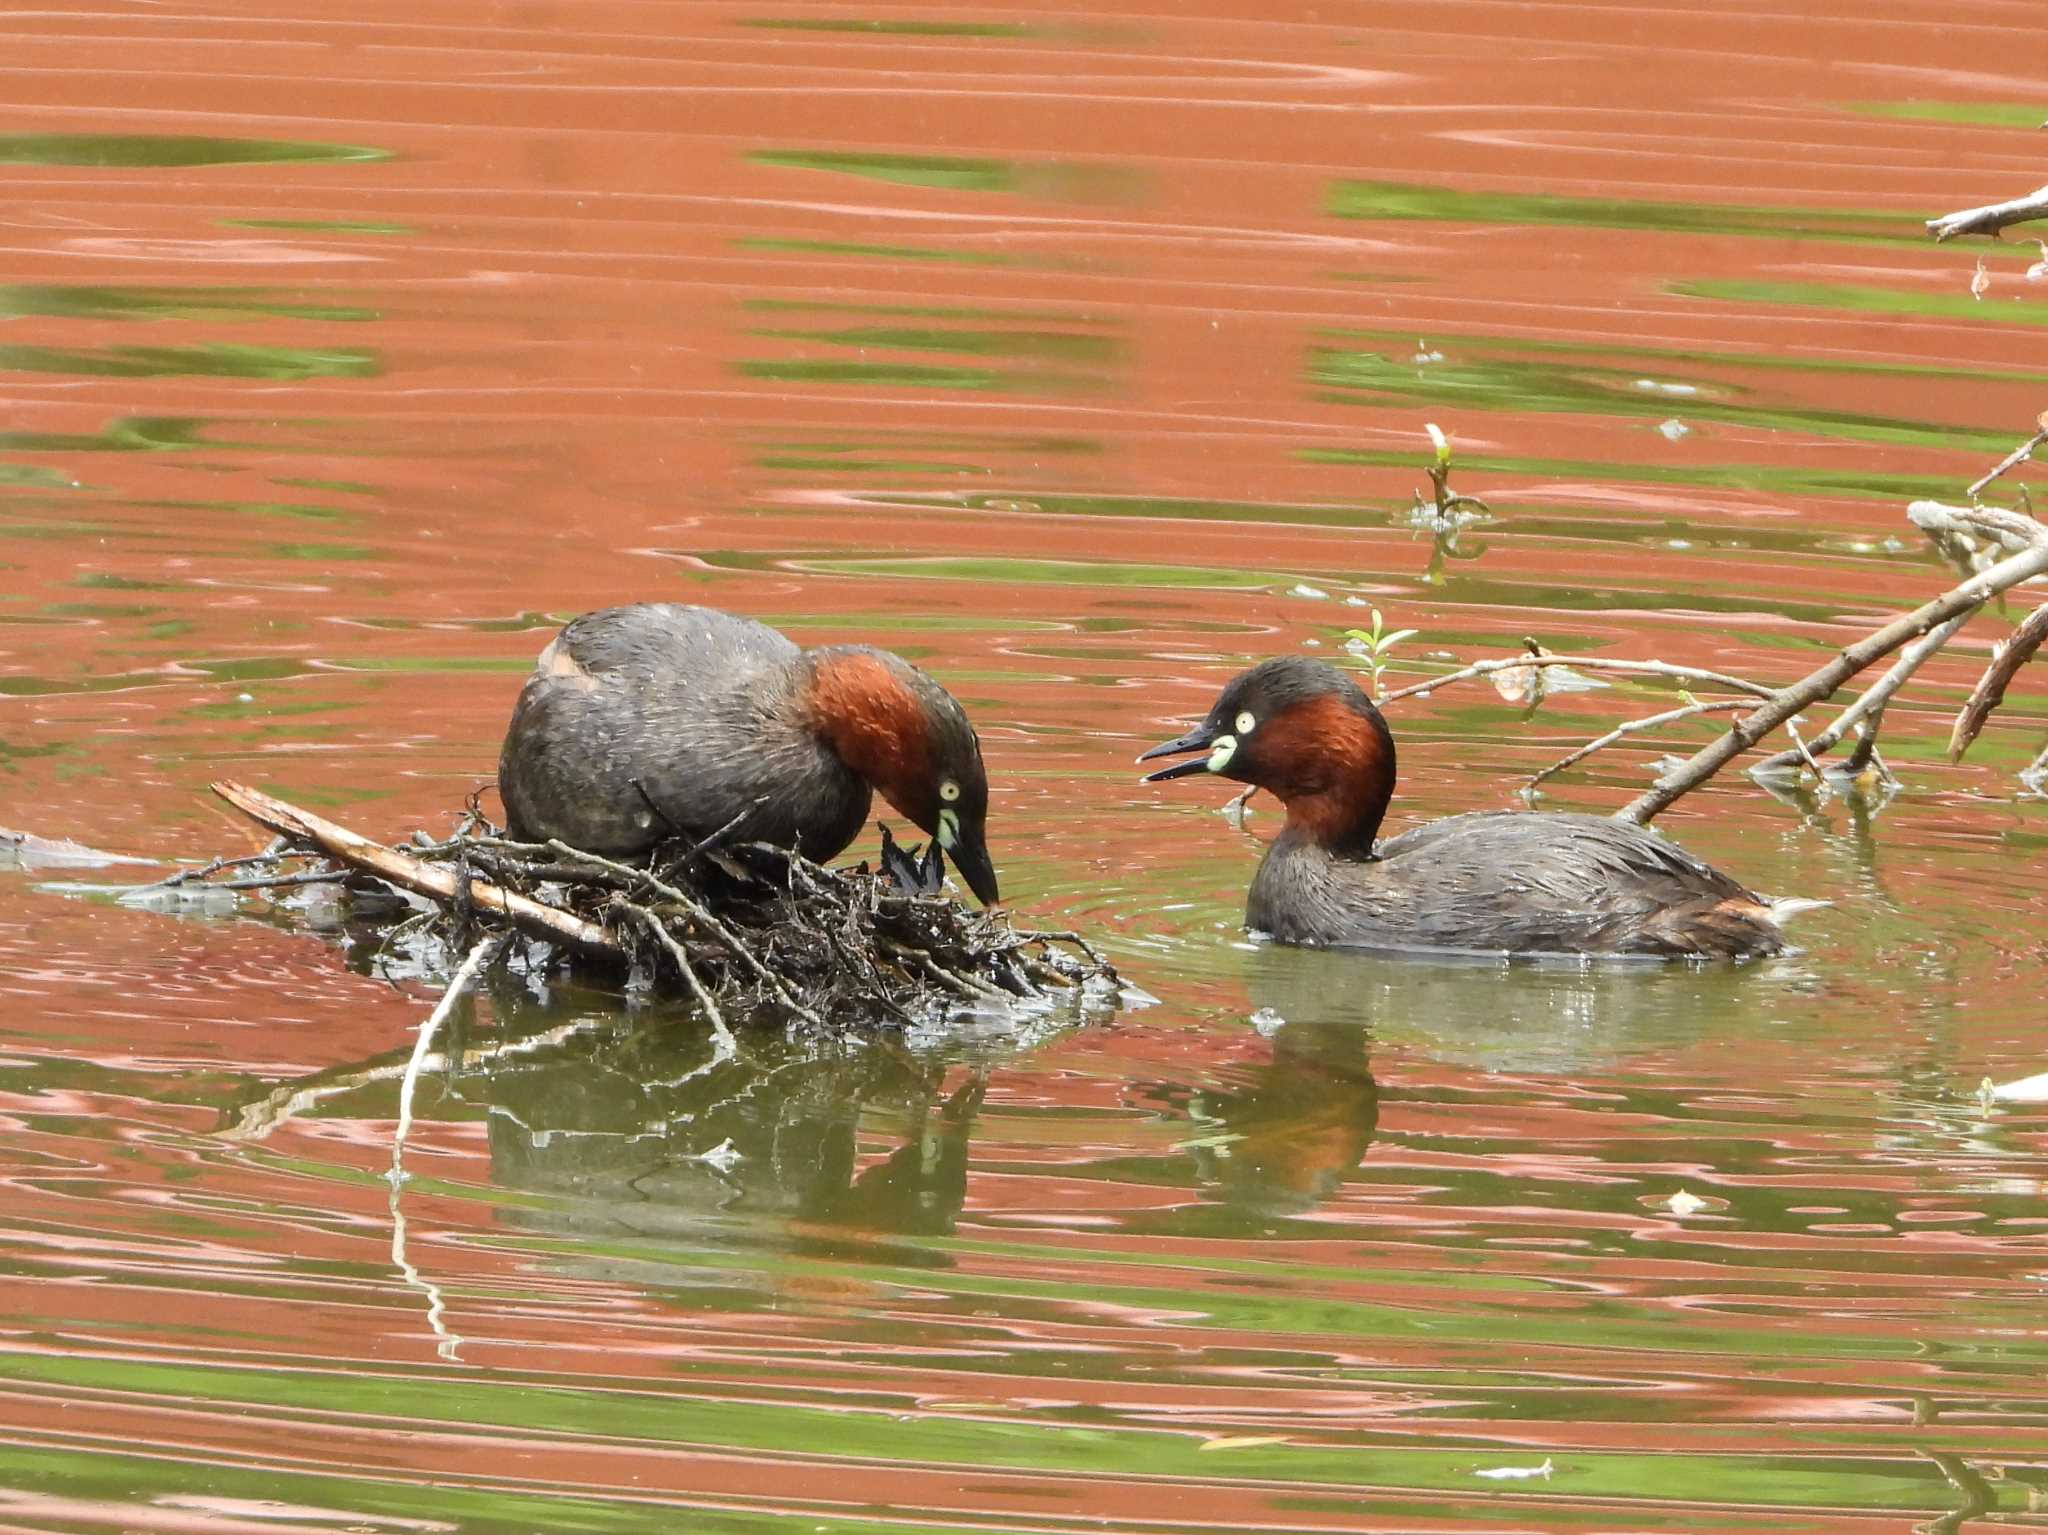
[1197, 740]
[970, 857]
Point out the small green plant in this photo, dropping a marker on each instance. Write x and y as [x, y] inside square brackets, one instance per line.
[1445, 507]
[1373, 646]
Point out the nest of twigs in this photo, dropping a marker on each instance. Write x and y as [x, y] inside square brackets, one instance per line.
[751, 933]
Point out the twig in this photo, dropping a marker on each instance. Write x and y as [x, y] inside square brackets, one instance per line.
[1969, 1485]
[1075, 939]
[965, 985]
[703, 918]
[719, 1029]
[214, 866]
[555, 873]
[1630, 727]
[409, 873]
[705, 844]
[1583, 663]
[2017, 456]
[279, 881]
[1822, 682]
[1869, 708]
[1989, 692]
[1990, 218]
[1799, 745]
[486, 949]
[497, 844]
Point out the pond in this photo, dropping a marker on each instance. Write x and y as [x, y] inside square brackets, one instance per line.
[1084, 358]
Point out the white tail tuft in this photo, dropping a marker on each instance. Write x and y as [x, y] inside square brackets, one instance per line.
[1785, 907]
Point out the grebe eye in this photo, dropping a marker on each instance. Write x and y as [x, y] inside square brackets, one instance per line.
[949, 790]
[1245, 722]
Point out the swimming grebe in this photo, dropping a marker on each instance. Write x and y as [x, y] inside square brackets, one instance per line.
[1494, 881]
[658, 720]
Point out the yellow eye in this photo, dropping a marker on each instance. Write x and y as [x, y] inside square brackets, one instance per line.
[949, 790]
[1245, 722]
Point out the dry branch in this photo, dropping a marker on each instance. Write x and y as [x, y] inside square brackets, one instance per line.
[1863, 715]
[1822, 682]
[1538, 658]
[1989, 692]
[409, 873]
[1990, 218]
[481, 954]
[1629, 728]
[2011, 460]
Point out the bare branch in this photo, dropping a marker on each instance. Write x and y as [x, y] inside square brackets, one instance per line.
[1869, 707]
[1630, 727]
[704, 919]
[720, 1030]
[2017, 456]
[1989, 692]
[1580, 663]
[1990, 218]
[1822, 683]
[210, 868]
[409, 873]
[485, 950]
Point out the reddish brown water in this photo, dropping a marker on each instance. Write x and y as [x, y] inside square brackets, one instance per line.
[1057, 350]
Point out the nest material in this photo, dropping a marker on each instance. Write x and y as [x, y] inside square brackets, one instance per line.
[749, 932]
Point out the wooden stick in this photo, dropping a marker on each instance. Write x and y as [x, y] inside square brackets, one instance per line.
[409, 873]
[2018, 455]
[1630, 727]
[1989, 692]
[483, 953]
[1990, 218]
[1822, 682]
[720, 1031]
[1871, 704]
[1584, 663]
[703, 918]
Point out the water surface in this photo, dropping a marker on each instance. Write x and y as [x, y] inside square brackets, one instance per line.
[1083, 358]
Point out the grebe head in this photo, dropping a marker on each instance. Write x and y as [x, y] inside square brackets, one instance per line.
[1305, 731]
[909, 738]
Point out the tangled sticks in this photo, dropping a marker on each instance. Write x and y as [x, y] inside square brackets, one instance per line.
[751, 932]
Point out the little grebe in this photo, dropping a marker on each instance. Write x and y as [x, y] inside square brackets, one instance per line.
[658, 720]
[1489, 882]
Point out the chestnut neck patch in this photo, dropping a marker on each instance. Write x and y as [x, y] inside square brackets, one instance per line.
[1333, 768]
[863, 708]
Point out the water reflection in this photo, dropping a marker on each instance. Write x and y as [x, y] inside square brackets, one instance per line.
[1066, 353]
[1547, 1017]
[1279, 1135]
[637, 1121]
[650, 1130]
